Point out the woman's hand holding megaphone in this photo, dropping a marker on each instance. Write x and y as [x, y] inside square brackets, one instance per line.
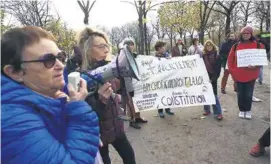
[105, 92]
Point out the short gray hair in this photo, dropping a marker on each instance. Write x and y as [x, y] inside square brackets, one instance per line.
[129, 41]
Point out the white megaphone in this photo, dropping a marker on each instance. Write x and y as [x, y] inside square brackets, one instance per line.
[123, 65]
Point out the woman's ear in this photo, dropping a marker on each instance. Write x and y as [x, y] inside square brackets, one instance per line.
[14, 74]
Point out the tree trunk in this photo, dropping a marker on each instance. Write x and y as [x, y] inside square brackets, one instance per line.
[184, 39]
[141, 29]
[267, 23]
[86, 18]
[171, 37]
[261, 25]
[145, 35]
[213, 36]
[149, 48]
[219, 37]
[201, 35]
[228, 24]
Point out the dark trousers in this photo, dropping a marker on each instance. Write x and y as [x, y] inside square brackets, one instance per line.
[123, 147]
[244, 95]
[265, 139]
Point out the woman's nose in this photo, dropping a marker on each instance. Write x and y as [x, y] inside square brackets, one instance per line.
[106, 50]
[59, 64]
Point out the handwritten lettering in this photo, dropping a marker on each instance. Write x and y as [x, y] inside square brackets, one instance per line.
[150, 95]
[253, 57]
[173, 83]
[183, 100]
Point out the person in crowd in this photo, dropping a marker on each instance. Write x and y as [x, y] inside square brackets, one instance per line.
[195, 48]
[179, 49]
[160, 52]
[212, 63]
[245, 77]
[129, 91]
[95, 48]
[224, 53]
[267, 48]
[259, 148]
[74, 62]
[39, 123]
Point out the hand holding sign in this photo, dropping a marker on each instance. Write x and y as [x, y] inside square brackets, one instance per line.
[251, 58]
[172, 83]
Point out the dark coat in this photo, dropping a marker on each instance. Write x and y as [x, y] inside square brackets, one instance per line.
[225, 50]
[176, 52]
[212, 62]
[110, 126]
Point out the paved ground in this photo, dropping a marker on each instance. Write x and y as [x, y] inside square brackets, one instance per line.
[186, 138]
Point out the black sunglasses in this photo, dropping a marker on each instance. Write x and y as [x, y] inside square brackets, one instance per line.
[49, 60]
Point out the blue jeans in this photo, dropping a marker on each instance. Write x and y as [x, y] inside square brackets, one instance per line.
[244, 95]
[216, 108]
[261, 74]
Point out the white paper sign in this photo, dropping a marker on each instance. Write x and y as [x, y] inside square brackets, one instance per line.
[172, 83]
[253, 57]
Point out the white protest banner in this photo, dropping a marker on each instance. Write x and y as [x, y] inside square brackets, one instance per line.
[253, 57]
[172, 83]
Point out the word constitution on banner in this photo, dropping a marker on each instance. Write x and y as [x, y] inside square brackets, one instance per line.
[172, 83]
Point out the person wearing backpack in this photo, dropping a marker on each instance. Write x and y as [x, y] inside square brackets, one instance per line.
[245, 77]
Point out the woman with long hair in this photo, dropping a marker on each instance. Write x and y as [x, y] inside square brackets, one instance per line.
[212, 62]
[95, 49]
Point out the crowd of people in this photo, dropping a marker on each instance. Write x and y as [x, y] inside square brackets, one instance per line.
[44, 120]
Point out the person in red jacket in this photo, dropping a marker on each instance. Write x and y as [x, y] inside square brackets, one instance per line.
[245, 77]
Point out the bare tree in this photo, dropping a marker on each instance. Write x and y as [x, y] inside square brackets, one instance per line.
[36, 13]
[171, 34]
[86, 8]
[236, 20]
[150, 36]
[205, 10]
[160, 31]
[216, 26]
[142, 9]
[247, 8]
[263, 14]
[228, 7]
[132, 31]
[116, 36]
[103, 29]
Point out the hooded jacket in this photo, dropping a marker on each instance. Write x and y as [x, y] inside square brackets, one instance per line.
[40, 130]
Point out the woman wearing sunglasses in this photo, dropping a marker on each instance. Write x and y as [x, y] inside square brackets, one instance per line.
[95, 49]
[41, 124]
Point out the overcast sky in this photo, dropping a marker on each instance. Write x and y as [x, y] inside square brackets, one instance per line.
[107, 13]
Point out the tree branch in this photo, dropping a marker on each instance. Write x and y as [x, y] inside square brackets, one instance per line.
[91, 6]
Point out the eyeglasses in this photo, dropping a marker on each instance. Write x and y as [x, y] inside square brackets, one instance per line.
[102, 46]
[49, 60]
[245, 33]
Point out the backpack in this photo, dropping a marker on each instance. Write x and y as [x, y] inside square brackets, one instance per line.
[236, 44]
